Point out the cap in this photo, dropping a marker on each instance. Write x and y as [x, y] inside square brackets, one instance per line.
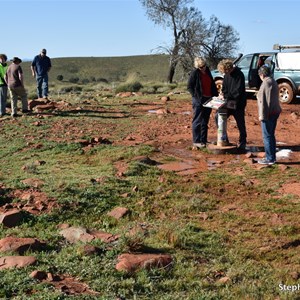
[16, 60]
[44, 51]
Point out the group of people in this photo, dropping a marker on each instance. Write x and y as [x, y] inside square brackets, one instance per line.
[11, 79]
[202, 87]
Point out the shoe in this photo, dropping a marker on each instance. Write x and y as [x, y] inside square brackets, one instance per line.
[25, 111]
[241, 148]
[15, 115]
[199, 145]
[264, 161]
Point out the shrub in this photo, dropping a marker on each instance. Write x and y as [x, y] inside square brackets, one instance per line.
[69, 89]
[129, 87]
[85, 81]
[60, 77]
[74, 79]
[102, 80]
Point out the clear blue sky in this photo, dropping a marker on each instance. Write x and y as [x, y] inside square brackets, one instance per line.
[74, 28]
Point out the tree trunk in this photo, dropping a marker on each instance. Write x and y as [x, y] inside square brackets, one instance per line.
[172, 69]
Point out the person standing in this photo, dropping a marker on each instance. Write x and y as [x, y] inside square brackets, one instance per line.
[3, 85]
[234, 92]
[40, 68]
[201, 87]
[14, 80]
[268, 112]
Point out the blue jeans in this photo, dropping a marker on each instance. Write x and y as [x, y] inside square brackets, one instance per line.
[42, 85]
[3, 98]
[200, 121]
[268, 132]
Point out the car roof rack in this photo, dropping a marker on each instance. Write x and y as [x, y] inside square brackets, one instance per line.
[282, 47]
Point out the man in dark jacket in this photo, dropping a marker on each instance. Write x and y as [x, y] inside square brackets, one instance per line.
[234, 92]
[202, 87]
[40, 68]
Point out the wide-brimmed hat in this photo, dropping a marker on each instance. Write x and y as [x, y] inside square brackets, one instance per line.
[16, 60]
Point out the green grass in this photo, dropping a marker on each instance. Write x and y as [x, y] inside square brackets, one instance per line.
[230, 243]
[145, 68]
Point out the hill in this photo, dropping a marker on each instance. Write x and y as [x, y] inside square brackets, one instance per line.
[145, 68]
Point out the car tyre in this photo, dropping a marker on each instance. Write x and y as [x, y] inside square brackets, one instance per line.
[286, 93]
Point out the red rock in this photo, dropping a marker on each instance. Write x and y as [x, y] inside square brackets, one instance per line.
[11, 218]
[165, 99]
[34, 103]
[7, 262]
[33, 182]
[19, 245]
[76, 234]
[39, 275]
[133, 262]
[118, 212]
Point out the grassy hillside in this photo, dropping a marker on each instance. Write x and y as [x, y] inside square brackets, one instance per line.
[145, 68]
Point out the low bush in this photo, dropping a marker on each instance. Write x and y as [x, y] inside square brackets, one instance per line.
[102, 80]
[129, 87]
[74, 79]
[69, 89]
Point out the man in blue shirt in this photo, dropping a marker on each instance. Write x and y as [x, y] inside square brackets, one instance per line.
[40, 67]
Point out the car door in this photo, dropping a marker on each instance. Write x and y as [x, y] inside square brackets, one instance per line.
[245, 65]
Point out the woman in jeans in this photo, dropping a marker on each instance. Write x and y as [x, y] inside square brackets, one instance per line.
[268, 112]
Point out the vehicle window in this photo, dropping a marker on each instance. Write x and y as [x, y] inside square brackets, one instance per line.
[245, 62]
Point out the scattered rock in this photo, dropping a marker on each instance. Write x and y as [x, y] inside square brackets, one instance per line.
[11, 218]
[20, 245]
[90, 250]
[39, 275]
[100, 140]
[124, 94]
[7, 262]
[66, 284]
[162, 111]
[249, 155]
[145, 160]
[80, 234]
[249, 161]
[224, 279]
[34, 103]
[133, 262]
[295, 275]
[165, 99]
[33, 182]
[118, 212]
[41, 108]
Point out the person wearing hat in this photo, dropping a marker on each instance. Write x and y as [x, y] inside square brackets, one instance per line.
[3, 85]
[14, 80]
[40, 67]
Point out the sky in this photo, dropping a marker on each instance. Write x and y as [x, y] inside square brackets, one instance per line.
[104, 28]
